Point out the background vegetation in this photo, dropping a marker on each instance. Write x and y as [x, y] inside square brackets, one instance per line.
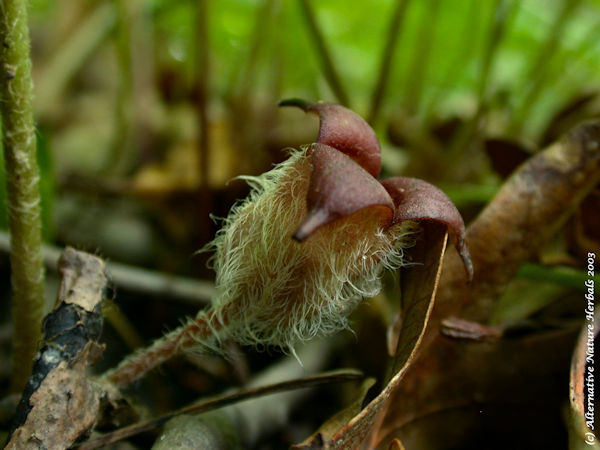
[147, 109]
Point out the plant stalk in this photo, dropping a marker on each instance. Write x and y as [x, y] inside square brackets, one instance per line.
[539, 68]
[387, 57]
[329, 70]
[201, 76]
[421, 57]
[197, 331]
[23, 192]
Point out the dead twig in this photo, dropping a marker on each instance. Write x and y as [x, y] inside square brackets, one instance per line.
[223, 400]
[60, 403]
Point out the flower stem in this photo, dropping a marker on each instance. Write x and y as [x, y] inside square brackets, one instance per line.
[22, 178]
[196, 331]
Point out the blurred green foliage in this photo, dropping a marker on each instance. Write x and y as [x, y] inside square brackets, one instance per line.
[500, 68]
[356, 32]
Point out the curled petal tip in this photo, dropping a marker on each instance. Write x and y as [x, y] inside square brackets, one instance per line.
[298, 102]
[315, 219]
[345, 131]
[338, 188]
[416, 199]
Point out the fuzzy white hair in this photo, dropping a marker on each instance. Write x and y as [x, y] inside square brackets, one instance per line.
[274, 291]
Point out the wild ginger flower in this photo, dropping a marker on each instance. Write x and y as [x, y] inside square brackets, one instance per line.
[310, 241]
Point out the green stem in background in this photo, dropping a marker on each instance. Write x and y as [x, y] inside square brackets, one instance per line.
[201, 77]
[244, 80]
[122, 139]
[71, 56]
[133, 139]
[329, 70]
[455, 66]
[23, 180]
[538, 70]
[501, 17]
[561, 275]
[387, 57]
[421, 59]
[500, 20]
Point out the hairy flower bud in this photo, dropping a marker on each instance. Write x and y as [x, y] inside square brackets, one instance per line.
[274, 290]
[309, 242]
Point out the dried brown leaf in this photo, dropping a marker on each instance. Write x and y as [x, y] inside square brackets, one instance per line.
[419, 284]
[580, 435]
[338, 420]
[529, 209]
[505, 155]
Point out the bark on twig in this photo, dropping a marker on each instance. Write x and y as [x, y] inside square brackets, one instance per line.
[59, 403]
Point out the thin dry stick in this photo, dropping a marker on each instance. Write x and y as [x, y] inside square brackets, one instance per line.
[387, 58]
[71, 56]
[135, 279]
[22, 178]
[223, 400]
[329, 70]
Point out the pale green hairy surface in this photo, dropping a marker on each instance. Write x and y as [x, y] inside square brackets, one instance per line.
[23, 196]
[272, 290]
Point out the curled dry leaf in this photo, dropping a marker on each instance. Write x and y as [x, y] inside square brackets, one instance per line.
[418, 287]
[529, 209]
[326, 431]
[581, 379]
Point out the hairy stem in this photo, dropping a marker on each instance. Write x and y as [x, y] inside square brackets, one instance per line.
[22, 178]
[195, 332]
